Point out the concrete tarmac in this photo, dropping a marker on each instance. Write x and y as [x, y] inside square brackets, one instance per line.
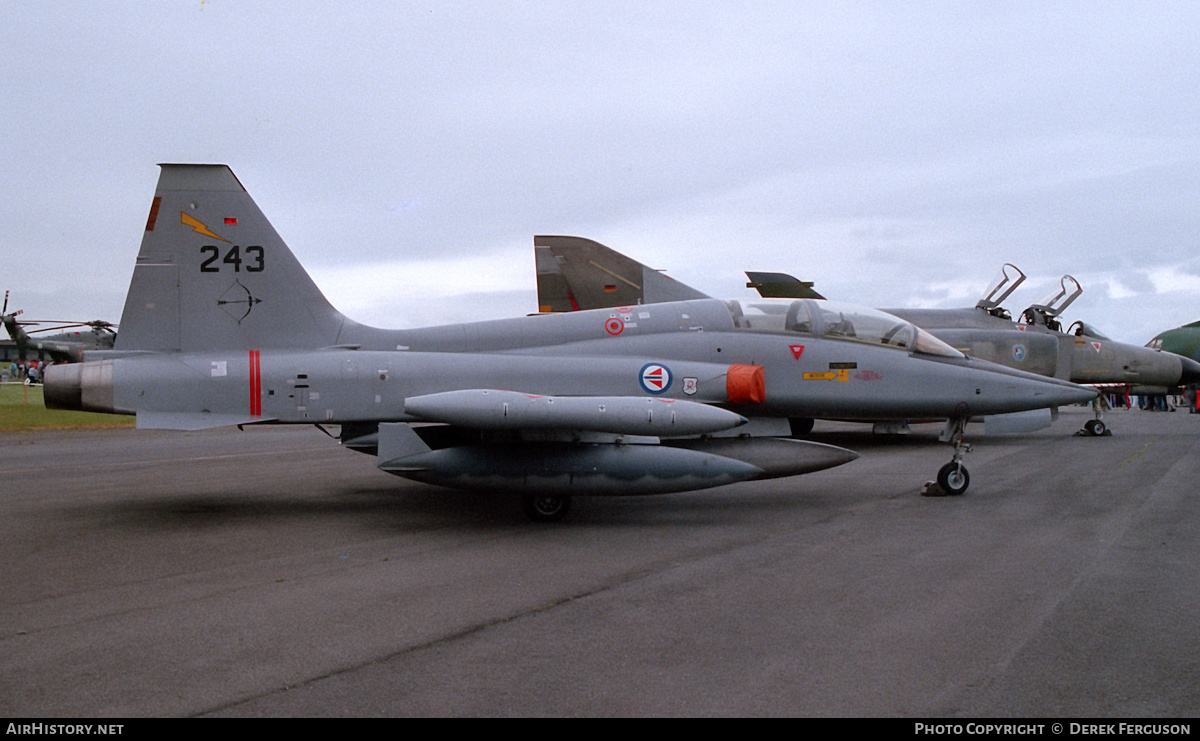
[272, 573]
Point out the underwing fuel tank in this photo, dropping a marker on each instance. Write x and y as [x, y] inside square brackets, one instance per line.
[601, 469]
[485, 409]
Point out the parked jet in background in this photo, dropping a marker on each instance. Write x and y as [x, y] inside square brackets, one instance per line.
[222, 326]
[574, 274]
[1036, 344]
[1183, 341]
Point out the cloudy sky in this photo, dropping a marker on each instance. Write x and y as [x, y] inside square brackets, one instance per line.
[895, 153]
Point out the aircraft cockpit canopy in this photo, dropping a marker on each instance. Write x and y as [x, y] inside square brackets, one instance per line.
[835, 320]
[1001, 288]
[1083, 329]
[1046, 311]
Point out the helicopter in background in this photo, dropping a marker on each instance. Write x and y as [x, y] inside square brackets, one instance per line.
[70, 343]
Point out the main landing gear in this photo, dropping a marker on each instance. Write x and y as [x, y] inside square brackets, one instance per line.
[953, 478]
[546, 507]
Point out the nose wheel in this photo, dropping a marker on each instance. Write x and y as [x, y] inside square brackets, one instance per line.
[953, 478]
[1096, 427]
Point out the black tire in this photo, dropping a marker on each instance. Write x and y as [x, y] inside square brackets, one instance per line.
[954, 479]
[546, 507]
[1094, 427]
[800, 425]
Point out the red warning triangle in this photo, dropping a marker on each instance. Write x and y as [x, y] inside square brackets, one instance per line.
[797, 350]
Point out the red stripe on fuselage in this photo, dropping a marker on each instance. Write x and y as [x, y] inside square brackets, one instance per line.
[255, 385]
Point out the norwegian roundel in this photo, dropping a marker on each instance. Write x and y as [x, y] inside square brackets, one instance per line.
[655, 378]
[614, 326]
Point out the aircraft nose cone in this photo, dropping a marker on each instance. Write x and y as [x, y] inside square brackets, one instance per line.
[1013, 390]
[1076, 395]
[1053, 392]
[1190, 373]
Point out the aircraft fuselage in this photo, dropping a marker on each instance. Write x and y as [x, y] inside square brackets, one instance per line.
[1037, 349]
[681, 350]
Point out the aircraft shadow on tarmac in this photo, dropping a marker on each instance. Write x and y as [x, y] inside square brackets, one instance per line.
[416, 507]
[393, 506]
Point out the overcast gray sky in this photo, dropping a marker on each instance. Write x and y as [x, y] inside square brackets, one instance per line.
[895, 153]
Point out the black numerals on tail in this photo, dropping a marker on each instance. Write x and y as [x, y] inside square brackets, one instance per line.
[249, 259]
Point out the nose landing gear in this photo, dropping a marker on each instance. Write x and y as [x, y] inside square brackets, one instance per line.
[1096, 427]
[953, 478]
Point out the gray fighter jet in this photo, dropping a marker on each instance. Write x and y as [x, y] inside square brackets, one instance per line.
[222, 326]
[1036, 343]
[602, 277]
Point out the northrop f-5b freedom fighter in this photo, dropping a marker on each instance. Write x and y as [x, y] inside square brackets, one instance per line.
[222, 326]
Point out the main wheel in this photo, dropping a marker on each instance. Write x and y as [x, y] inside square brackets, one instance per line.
[800, 426]
[1094, 427]
[546, 507]
[953, 478]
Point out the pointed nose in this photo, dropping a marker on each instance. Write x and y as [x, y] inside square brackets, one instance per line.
[1063, 393]
[1001, 390]
[1190, 373]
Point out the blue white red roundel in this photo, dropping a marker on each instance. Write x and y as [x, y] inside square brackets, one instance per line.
[655, 378]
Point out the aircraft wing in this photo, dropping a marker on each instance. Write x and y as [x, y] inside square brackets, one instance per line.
[577, 274]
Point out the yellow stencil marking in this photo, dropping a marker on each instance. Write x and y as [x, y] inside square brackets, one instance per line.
[837, 375]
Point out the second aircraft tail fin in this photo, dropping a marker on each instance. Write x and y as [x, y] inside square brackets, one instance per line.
[577, 274]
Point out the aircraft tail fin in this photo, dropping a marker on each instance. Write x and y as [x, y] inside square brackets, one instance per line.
[780, 285]
[212, 273]
[15, 332]
[576, 274]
